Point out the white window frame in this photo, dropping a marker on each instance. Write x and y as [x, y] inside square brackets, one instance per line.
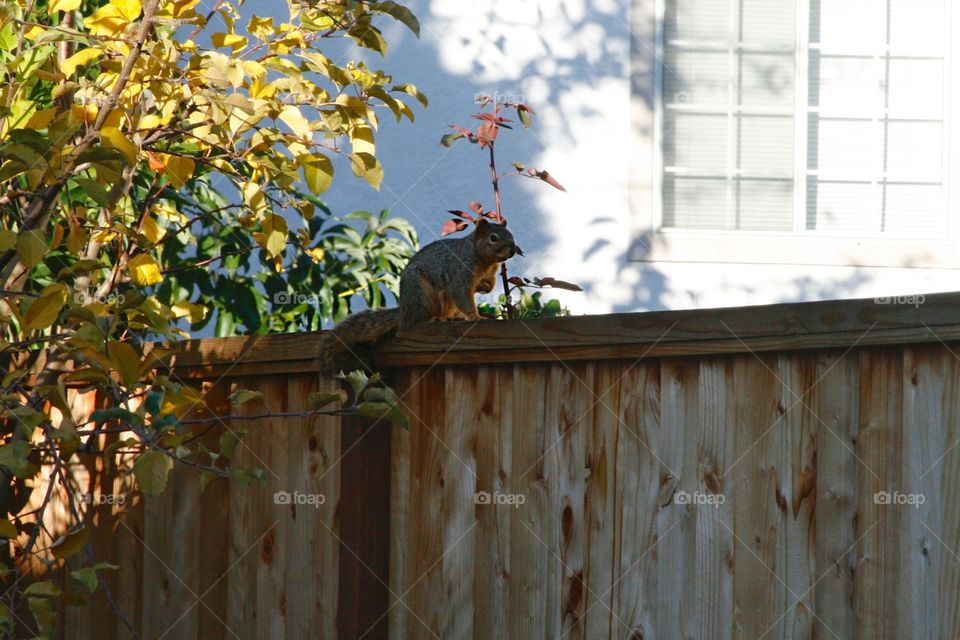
[654, 243]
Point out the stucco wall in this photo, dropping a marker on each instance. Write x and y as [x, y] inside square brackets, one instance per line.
[571, 60]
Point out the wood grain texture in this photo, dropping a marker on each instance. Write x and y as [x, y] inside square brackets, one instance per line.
[808, 325]
[880, 448]
[835, 400]
[494, 435]
[761, 594]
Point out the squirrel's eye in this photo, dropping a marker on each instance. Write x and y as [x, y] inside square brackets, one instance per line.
[494, 237]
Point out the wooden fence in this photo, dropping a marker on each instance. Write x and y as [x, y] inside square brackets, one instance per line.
[788, 471]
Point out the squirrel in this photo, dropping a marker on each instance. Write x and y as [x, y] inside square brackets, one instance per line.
[437, 284]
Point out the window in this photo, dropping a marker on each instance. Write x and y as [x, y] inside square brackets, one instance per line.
[807, 131]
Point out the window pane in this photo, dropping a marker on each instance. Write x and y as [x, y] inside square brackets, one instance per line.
[916, 87]
[915, 151]
[764, 205]
[768, 22]
[698, 142]
[848, 26]
[766, 80]
[852, 208]
[911, 17]
[697, 19]
[766, 145]
[696, 78]
[694, 203]
[915, 210]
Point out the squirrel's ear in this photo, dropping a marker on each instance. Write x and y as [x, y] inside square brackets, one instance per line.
[483, 226]
[503, 222]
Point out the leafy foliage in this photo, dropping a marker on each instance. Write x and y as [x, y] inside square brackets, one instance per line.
[161, 164]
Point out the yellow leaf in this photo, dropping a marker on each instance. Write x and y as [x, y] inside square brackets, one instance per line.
[274, 238]
[84, 56]
[317, 172]
[316, 254]
[178, 168]
[149, 121]
[195, 312]
[77, 239]
[8, 239]
[33, 32]
[293, 117]
[41, 119]
[144, 270]
[129, 9]
[115, 139]
[151, 230]
[63, 5]
[367, 167]
[45, 309]
[106, 21]
[361, 137]
[231, 40]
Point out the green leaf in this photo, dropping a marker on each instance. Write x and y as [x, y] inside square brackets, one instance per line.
[243, 396]
[384, 411]
[450, 138]
[126, 361]
[87, 577]
[31, 247]
[44, 614]
[13, 456]
[402, 14]
[411, 89]
[151, 469]
[45, 310]
[8, 239]
[317, 171]
[45, 589]
[71, 544]
[319, 399]
[8, 530]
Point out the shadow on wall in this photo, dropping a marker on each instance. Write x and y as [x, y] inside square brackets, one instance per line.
[575, 62]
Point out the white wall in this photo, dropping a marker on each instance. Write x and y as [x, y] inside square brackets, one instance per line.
[570, 59]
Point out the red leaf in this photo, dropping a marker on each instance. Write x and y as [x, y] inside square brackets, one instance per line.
[461, 130]
[557, 284]
[490, 214]
[452, 226]
[476, 207]
[487, 133]
[517, 280]
[461, 214]
[489, 117]
[546, 177]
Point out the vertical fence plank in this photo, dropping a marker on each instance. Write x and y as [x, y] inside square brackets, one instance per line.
[459, 512]
[312, 553]
[878, 526]
[642, 524]
[835, 399]
[213, 529]
[569, 403]
[401, 518]
[924, 387]
[529, 557]
[713, 601]
[676, 522]
[425, 573]
[494, 470]
[601, 503]
[798, 477]
[947, 469]
[760, 592]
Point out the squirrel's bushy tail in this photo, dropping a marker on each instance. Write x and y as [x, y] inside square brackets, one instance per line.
[350, 344]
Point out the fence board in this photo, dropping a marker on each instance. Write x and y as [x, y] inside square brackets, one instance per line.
[782, 453]
[835, 400]
[569, 402]
[880, 449]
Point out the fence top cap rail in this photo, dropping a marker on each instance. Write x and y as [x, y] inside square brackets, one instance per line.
[920, 318]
